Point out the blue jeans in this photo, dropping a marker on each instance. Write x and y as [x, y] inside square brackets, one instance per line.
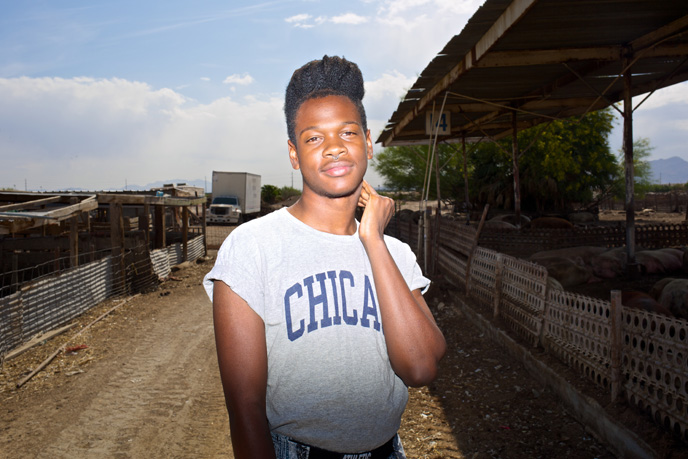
[286, 448]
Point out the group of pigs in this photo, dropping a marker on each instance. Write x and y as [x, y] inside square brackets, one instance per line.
[579, 265]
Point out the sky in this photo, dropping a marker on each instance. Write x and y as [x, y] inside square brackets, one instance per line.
[106, 95]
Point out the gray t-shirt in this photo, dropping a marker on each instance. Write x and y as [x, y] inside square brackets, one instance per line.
[330, 382]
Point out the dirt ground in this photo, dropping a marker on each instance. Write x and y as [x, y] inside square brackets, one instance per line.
[147, 385]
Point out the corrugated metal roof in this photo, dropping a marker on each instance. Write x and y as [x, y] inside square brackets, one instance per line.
[545, 59]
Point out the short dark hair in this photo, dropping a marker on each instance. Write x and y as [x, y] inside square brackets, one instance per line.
[329, 76]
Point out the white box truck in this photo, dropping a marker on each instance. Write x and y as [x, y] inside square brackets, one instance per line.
[235, 198]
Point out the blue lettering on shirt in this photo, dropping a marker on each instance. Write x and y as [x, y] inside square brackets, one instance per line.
[293, 290]
[369, 309]
[353, 319]
[314, 300]
[321, 296]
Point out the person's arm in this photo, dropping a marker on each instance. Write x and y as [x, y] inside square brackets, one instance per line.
[414, 342]
[242, 355]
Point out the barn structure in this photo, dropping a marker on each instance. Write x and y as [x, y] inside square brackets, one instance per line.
[515, 65]
[520, 63]
[63, 253]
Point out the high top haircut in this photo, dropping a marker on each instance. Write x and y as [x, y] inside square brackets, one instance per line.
[329, 76]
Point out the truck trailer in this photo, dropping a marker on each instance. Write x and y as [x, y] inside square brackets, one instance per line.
[235, 198]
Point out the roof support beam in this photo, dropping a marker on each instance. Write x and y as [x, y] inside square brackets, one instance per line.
[521, 58]
[24, 205]
[660, 34]
[514, 12]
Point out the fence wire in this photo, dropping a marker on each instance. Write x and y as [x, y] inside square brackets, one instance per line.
[51, 300]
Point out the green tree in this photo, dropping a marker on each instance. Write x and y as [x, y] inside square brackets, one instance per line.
[642, 172]
[403, 169]
[560, 163]
[269, 194]
[287, 192]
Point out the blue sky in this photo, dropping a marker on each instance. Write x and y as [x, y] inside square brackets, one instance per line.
[97, 95]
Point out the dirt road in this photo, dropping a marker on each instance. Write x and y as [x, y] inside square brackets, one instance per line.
[147, 386]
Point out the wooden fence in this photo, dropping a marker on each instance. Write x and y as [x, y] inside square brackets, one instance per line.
[640, 354]
[673, 201]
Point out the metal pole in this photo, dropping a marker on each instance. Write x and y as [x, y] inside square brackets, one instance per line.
[628, 157]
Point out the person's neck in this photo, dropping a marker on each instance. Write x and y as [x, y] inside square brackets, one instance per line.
[330, 215]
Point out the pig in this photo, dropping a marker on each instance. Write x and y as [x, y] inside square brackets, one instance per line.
[675, 297]
[550, 223]
[656, 290]
[581, 217]
[499, 225]
[568, 271]
[609, 264]
[553, 284]
[644, 302]
[510, 218]
[684, 258]
[660, 260]
[650, 262]
[586, 253]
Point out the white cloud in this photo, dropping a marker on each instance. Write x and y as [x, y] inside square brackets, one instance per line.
[307, 21]
[349, 18]
[677, 93]
[205, 79]
[81, 132]
[243, 80]
[301, 21]
[298, 18]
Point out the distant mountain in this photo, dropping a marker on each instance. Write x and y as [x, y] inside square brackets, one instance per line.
[671, 170]
[197, 182]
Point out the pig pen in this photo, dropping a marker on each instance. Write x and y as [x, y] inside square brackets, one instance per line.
[637, 355]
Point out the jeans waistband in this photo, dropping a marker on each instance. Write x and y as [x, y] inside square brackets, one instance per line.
[305, 451]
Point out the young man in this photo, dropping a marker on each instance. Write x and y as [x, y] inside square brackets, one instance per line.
[320, 323]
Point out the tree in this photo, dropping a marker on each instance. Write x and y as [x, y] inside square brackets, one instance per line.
[642, 172]
[269, 194]
[287, 192]
[403, 169]
[561, 163]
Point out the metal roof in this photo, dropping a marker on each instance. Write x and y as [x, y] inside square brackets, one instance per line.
[544, 59]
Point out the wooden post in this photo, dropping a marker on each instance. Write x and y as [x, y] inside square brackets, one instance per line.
[74, 236]
[56, 261]
[545, 315]
[185, 233]
[616, 332]
[205, 233]
[15, 271]
[427, 235]
[465, 180]
[117, 242]
[436, 240]
[499, 268]
[144, 224]
[514, 158]
[159, 227]
[475, 245]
